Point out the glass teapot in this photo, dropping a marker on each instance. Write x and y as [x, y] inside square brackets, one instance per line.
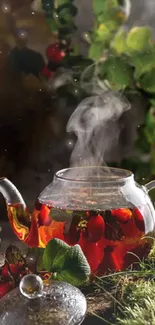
[102, 209]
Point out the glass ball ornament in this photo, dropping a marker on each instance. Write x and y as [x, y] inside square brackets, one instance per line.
[31, 286]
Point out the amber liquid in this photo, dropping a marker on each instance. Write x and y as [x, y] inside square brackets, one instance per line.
[111, 240]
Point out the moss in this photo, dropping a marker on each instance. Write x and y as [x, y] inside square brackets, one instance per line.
[140, 306]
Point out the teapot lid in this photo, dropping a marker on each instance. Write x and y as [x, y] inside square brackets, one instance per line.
[60, 304]
[83, 188]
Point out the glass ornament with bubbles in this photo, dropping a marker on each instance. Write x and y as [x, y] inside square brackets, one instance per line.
[102, 209]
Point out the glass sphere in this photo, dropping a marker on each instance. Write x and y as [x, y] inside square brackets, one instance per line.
[31, 286]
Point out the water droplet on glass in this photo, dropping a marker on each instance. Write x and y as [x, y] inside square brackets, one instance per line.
[31, 286]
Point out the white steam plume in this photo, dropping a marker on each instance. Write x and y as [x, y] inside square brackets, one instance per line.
[95, 123]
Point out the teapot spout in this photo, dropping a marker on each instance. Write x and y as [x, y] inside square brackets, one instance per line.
[10, 193]
[18, 215]
[23, 223]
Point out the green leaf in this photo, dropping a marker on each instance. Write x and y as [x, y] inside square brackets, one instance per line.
[138, 39]
[113, 19]
[103, 34]
[52, 25]
[118, 72]
[119, 42]
[143, 62]
[152, 101]
[76, 269]
[54, 255]
[98, 6]
[101, 5]
[96, 51]
[147, 82]
[40, 259]
[67, 8]
[66, 263]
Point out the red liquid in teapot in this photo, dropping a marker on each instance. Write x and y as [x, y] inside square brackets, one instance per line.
[111, 240]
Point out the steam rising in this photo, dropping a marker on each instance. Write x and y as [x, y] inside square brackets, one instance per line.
[95, 123]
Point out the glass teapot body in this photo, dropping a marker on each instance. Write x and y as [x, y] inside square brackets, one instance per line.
[102, 209]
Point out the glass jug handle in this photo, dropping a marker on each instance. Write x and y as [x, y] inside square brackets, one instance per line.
[149, 186]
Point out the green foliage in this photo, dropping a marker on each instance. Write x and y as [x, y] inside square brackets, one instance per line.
[126, 61]
[118, 72]
[150, 126]
[138, 39]
[66, 263]
[101, 6]
[119, 42]
[109, 17]
[147, 82]
[60, 17]
[143, 62]
[96, 50]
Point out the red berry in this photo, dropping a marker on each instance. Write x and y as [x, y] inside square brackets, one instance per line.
[139, 220]
[122, 215]
[95, 228]
[43, 218]
[92, 251]
[46, 72]
[54, 53]
[73, 236]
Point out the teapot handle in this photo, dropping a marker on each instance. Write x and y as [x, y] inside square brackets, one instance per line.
[149, 186]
